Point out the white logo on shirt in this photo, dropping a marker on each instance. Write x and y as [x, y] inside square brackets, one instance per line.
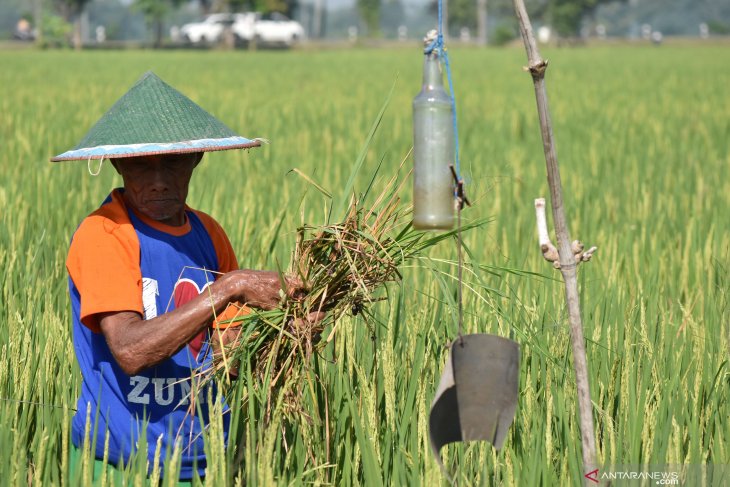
[149, 297]
[165, 390]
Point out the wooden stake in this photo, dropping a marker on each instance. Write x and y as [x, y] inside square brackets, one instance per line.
[567, 259]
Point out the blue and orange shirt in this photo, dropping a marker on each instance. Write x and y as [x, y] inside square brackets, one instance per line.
[122, 261]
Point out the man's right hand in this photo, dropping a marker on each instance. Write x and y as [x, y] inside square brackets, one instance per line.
[260, 289]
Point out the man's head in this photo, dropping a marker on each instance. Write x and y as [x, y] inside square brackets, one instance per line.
[157, 185]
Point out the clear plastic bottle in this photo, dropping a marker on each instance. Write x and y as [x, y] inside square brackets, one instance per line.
[433, 151]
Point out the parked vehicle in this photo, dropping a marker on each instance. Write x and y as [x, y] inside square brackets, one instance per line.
[211, 29]
[265, 29]
[276, 28]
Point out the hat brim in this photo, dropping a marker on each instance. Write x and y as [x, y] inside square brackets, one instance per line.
[147, 149]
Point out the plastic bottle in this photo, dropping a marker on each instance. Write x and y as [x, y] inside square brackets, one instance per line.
[433, 151]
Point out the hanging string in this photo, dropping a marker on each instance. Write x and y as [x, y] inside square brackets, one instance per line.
[461, 200]
[438, 45]
[98, 169]
[461, 282]
[459, 195]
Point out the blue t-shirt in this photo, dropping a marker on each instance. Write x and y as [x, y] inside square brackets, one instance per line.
[163, 402]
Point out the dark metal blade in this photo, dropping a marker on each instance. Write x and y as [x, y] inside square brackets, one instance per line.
[477, 395]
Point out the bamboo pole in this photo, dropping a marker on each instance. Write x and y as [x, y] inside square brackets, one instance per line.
[568, 259]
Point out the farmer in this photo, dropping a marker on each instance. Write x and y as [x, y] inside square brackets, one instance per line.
[148, 278]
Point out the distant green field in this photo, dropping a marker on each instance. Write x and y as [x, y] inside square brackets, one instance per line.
[643, 137]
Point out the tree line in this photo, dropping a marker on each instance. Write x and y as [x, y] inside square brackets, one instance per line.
[565, 16]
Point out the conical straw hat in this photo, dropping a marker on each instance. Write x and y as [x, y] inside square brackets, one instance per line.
[154, 118]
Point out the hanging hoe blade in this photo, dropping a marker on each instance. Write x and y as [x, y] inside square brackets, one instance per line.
[477, 396]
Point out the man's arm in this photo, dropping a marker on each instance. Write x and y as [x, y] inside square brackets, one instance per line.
[138, 344]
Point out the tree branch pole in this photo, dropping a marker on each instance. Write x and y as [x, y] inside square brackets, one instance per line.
[568, 264]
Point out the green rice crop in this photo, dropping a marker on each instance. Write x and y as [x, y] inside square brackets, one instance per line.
[643, 140]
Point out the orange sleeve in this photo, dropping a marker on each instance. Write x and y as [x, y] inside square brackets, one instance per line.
[103, 262]
[232, 311]
[224, 251]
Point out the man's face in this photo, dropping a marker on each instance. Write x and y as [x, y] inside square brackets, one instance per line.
[157, 186]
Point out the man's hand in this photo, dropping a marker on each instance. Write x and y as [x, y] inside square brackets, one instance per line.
[261, 289]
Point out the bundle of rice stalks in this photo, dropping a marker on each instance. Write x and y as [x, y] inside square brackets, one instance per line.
[344, 268]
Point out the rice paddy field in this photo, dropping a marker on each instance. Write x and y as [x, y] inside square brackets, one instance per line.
[643, 137]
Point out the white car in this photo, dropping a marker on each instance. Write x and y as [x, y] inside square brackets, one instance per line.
[277, 28]
[266, 29]
[211, 29]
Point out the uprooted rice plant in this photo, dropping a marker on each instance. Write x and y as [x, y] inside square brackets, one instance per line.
[343, 267]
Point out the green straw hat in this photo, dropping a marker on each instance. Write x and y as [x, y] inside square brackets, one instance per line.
[154, 118]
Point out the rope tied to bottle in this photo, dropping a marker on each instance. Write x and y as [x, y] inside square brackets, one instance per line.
[434, 41]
